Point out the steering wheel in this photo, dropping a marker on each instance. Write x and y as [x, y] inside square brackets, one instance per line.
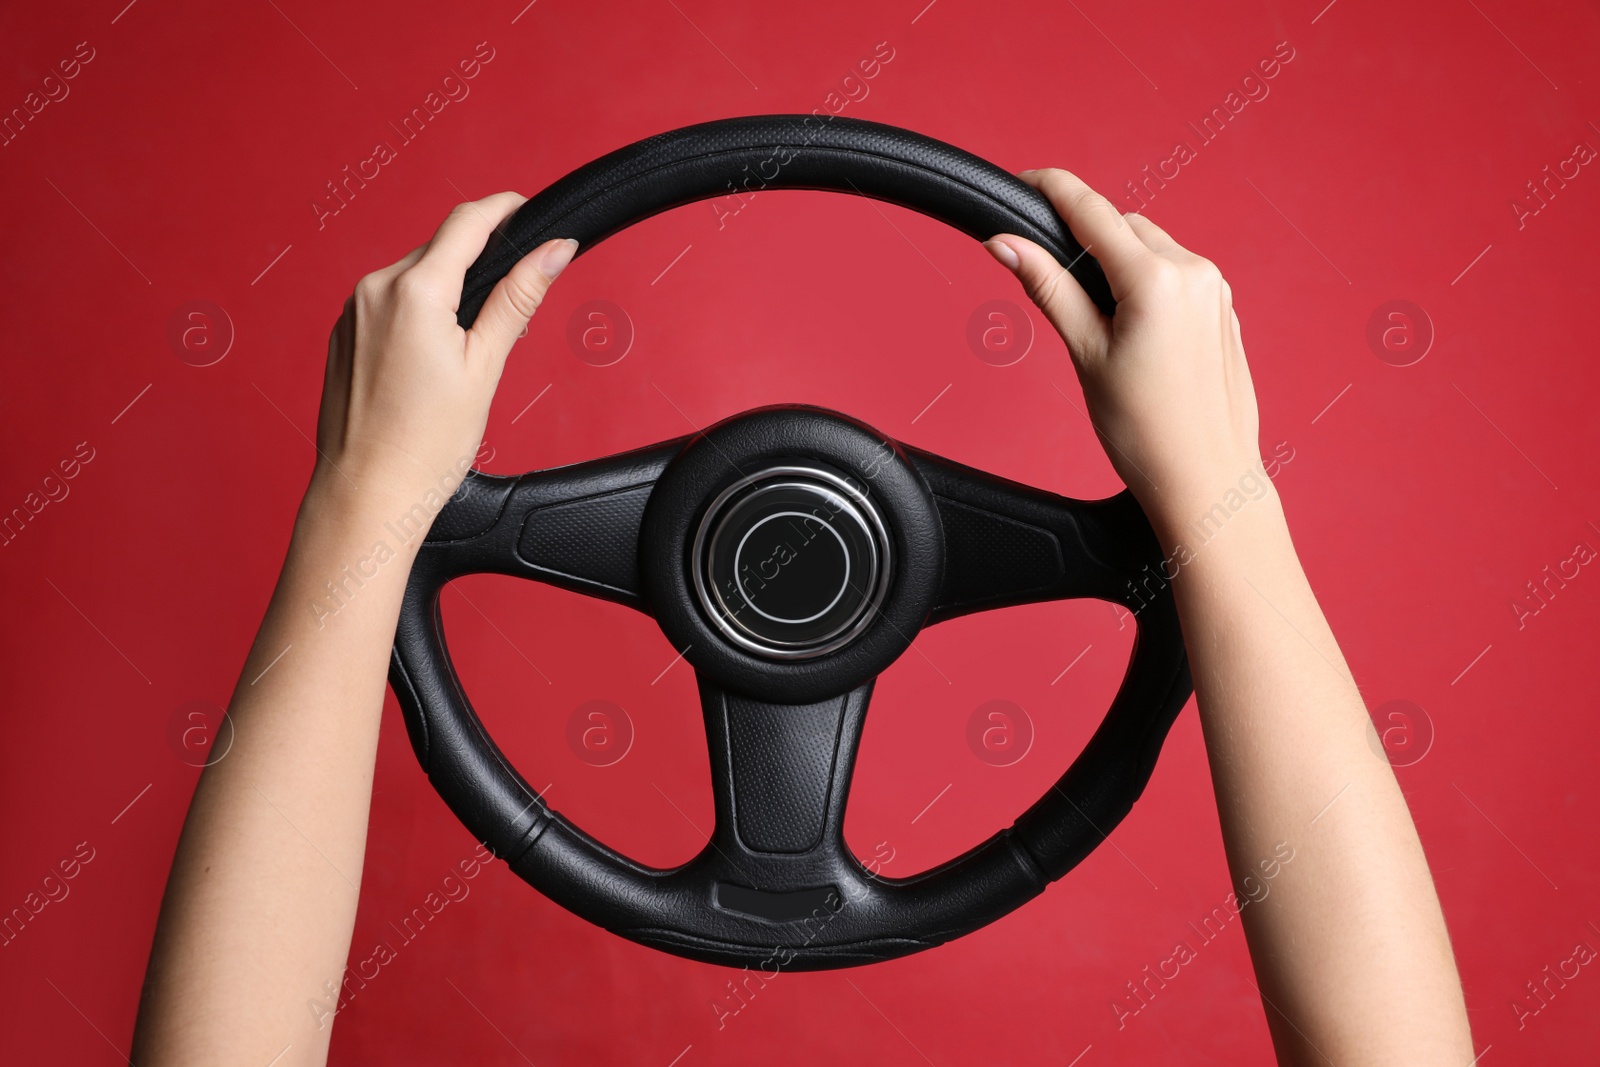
[791, 554]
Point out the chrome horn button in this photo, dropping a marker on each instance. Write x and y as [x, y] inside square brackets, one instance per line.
[791, 562]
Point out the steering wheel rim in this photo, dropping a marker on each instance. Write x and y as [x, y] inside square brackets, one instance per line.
[780, 889]
[756, 152]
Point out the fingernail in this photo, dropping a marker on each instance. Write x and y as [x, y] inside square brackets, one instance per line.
[557, 256]
[1004, 253]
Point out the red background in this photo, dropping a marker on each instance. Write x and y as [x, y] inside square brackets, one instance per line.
[1382, 166]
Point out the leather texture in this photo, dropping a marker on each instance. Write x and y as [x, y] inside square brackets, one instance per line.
[781, 762]
[560, 537]
[776, 888]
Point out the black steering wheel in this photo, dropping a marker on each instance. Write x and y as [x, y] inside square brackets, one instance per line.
[791, 554]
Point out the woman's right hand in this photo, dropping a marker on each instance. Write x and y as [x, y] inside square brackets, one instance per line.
[407, 391]
[1165, 379]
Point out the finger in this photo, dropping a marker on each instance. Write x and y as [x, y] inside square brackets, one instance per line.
[1056, 292]
[399, 266]
[463, 234]
[406, 262]
[514, 300]
[1095, 222]
[1154, 237]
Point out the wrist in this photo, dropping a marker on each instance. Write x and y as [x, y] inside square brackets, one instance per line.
[341, 517]
[1199, 517]
[406, 496]
[349, 547]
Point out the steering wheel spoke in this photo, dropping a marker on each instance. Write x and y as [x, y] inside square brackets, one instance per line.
[576, 527]
[780, 777]
[1008, 543]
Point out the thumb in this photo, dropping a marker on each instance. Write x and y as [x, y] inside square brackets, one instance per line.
[516, 297]
[1056, 292]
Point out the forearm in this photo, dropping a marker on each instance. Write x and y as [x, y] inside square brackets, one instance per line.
[261, 902]
[1371, 978]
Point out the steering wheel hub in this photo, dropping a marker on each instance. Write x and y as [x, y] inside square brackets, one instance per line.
[791, 562]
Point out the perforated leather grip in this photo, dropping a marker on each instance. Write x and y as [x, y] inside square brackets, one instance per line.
[757, 152]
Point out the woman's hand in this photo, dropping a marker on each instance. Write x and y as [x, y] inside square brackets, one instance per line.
[407, 391]
[261, 903]
[1165, 378]
[1350, 949]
